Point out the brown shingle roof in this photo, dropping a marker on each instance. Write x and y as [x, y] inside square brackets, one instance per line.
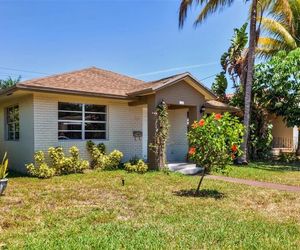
[220, 105]
[92, 80]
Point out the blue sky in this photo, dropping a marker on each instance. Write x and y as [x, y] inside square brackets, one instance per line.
[139, 38]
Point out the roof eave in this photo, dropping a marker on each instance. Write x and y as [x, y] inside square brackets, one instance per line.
[74, 92]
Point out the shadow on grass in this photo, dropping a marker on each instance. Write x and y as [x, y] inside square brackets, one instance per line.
[204, 193]
[275, 166]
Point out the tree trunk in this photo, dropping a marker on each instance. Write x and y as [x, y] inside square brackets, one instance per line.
[201, 179]
[249, 80]
[298, 145]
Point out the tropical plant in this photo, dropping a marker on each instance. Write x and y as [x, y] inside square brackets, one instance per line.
[280, 28]
[279, 83]
[219, 87]
[215, 141]
[210, 7]
[9, 82]
[40, 169]
[60, 164]
[4, 167]
[103, 161]
[139, 167]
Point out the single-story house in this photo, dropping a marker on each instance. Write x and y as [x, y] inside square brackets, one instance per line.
[94, 104]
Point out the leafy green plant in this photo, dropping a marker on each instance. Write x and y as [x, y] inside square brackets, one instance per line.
[287, 157]
[90, 145]
[40, 169]
[60, 164]
[215, 141]
[103, 161]
[139, 167]
[67, 165]
[4, 167]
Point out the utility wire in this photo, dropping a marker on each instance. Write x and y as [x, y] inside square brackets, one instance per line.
[26, 71]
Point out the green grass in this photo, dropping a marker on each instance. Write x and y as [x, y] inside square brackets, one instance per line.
[152, 211]
[260, 171]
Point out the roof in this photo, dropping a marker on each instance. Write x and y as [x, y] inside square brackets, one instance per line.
[220, 105]
[95, 81]
[90, 80]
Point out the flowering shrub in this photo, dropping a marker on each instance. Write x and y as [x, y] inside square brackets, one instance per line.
[215, 141]
[140, 167]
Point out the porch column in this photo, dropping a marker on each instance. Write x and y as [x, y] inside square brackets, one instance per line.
[194, 114]
[151, 106]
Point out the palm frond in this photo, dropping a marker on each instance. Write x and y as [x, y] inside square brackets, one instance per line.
[184, 5]
[211, 6]
[278, 31]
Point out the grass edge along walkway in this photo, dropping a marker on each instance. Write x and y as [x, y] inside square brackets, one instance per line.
[281, 187]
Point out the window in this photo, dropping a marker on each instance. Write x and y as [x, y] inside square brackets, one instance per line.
[81, 121]
[12, 123]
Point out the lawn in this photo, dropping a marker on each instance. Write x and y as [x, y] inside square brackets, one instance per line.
[261, 171]
[152, 211]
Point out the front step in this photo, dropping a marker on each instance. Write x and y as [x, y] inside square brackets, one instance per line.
[185, 168]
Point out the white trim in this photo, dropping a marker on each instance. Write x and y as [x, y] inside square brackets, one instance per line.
[145, 133]
[82, 122]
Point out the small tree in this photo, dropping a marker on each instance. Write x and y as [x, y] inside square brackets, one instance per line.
[278, 80]
[215, 141]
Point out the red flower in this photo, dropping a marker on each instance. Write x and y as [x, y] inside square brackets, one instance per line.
[201, 123]
[218, 116]
[192, 151]
[234, 148]
[232, 156]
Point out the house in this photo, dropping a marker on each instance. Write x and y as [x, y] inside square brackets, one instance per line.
[94, 104]
[285, 139]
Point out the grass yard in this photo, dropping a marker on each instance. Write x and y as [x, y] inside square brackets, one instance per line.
[152, 211]
[260, 171]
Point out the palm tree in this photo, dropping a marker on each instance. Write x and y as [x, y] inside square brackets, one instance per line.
[9, 82]
[281, 28]
[210, 7]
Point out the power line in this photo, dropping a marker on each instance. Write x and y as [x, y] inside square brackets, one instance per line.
[26, 71]
[208, 77]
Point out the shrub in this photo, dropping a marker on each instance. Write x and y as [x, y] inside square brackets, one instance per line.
[3, 167]
[215, 141]
[106, 162]
[40, 169]
[140, 167]
[287, 157]
[60, 164]
[90, 145]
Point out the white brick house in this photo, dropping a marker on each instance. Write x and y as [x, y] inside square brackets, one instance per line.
[71, 108]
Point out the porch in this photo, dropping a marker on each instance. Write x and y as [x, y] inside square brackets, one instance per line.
[187, 100]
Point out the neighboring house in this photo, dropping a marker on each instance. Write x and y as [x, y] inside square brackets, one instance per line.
[94, 104]
[285, 138]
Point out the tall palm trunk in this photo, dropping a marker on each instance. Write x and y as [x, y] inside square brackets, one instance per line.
[249, 80]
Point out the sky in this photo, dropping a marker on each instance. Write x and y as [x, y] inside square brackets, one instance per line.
[139, 38]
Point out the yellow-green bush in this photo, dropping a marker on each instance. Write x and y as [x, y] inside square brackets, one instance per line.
[66, 165]
[40, 169]
[140, 167]
[60, 164]
[106, 162]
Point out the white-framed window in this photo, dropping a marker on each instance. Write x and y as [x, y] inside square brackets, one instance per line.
[12, 123]
[82, 121]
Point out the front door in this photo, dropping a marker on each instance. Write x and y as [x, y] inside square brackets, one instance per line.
[177, 145]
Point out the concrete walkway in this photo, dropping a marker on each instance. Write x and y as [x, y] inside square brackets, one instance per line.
[184, 168]
[276, 186]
